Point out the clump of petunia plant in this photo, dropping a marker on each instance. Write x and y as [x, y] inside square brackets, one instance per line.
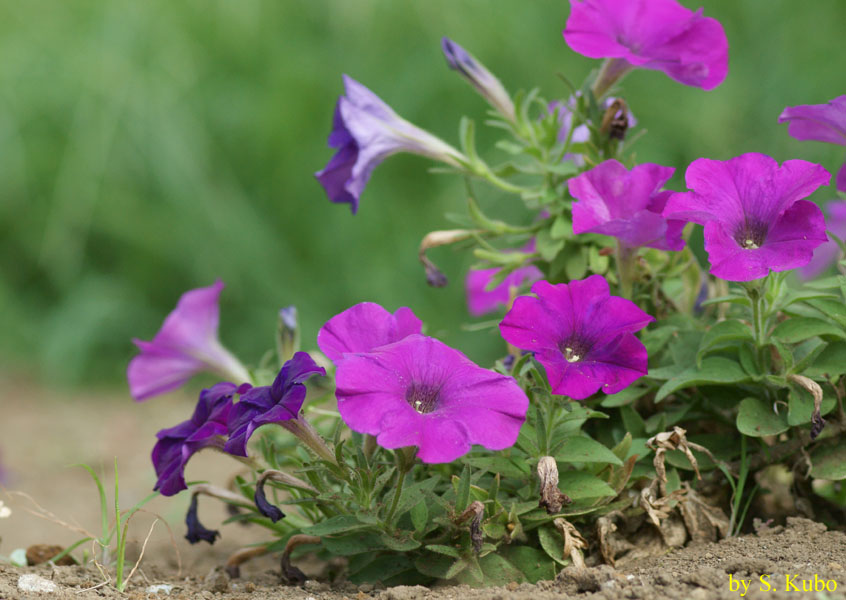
[644, 384]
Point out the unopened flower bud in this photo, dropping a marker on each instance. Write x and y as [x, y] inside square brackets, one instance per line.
[479, 77]
[287, 334]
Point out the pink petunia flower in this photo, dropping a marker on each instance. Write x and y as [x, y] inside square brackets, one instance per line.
[481, 301]
[827, 252]
[363, 327]
[754, 216]
[186, 344]
[581, 334]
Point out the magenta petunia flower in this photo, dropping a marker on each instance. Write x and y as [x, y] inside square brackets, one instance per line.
[276, 403]
[820, 122]
[626, 204]
[840, 179]
[420, 392]
[754, 218]
[186, 344]
[207, 427]
[363, 327]
[479, 77]
[651, 34]
[481, 301]
[581, 334]
[827, 252]
[366, 131]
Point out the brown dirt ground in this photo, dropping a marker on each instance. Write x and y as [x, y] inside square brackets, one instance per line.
[42, 432]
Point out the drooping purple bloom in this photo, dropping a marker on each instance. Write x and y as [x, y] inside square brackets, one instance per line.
[366, 131]
[186, 344]
[651, 34]
[754, 218]
[581, 334]
[276, 403]
[820, 122]
[363, 327]
[207, 427]
[479, 77]
[420, 392]
[827, 253]
[197, 532]
[481, 301]
[626, 204]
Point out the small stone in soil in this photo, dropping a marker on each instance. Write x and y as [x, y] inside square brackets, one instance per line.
[217, 580]
[35, 583]
[163, 588]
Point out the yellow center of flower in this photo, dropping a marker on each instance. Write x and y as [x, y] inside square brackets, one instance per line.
[750, 244]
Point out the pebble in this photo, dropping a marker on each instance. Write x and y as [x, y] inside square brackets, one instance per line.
[365, 587]
[835, 566]
[164, 588]
[316, 586]
[217, 580]
[512, 586]
[36, 583]
[709, 555]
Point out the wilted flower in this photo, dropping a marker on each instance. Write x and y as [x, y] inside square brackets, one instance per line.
[626, 204]
[582, 335]
[420, 392]
[278, 403]
[481, 301]
[479, 77]
[827, 252]
[820, 122]
[650, 34]
[754, 218]
[363, 327]
[197, 531]
[366, 131]
[207, 427]
[186, 344]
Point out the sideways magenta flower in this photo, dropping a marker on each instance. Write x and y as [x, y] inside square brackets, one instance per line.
[420, 392]
[206, 428]
[366, 131]
[754, 216]
[277, 403]
[363, 327]
[481, 301]
[581, 334]
[827, 252]
[479, 77]
[186, 344]
[820, 122]
[650, 34]
[626, 204]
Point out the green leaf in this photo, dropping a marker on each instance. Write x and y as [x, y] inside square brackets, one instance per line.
[730, 298]
[756, 418]
[506, 466]
[579, 484]
[800, 405]
[632, 421]
[439, 566]
[400, 542]
[831, 307]
[581, 449]
[831, 362]
[498, 571]
[561, 228]
[445, 550]
[532, 562]
[420, 516]
[797, 329]
[355, 543]
[546, 246]
[720, 334]
[382, 568]
[621, 450]
[553, 544]
[829, 461]
[624, 397]
[576, 265]
[714, 370]
[462, 494]
[336, 524]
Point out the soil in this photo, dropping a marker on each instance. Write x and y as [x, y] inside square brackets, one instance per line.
[97, 428]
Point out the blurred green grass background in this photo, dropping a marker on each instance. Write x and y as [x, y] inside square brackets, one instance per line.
[147, 148]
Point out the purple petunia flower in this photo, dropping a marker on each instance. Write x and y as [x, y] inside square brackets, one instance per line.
[827, 253]
[581, 334]
[651, 34]
[366, 131]
[420, 392]
[481, 301]
[754, 218]
[206, 428]
[626, 204]
[820, 122]
[840, 179]
[479, 77]
[276, 403]
[363, 327]
[186, 344]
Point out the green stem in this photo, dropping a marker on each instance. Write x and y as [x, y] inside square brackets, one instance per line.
[309, 435]
[404, 464]
[625, 268]
[756, 296]
[611, 71]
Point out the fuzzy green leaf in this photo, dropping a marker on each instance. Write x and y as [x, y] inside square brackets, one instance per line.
[797, 329]
[756, 418]
[831, 362]
[714, 370]
[722, 333]
[829, 461]
[581, 449]
[579, 484]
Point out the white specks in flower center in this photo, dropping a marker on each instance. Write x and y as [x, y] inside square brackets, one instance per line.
[571, 355]
[750, 245]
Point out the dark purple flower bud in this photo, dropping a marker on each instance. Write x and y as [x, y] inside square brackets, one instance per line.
[196, 531]
[479, 77]
[275, 403]
[266, 508]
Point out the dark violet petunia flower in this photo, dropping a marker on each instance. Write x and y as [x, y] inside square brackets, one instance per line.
[366, 131]
[363, 327]
[820, 122]
[278, 403]
[420, 392]
[481, 301]
[197, 532]
[827, 252]
[186, 344]
[650, 34]
[626, 204]
[581, 334]
[206, 428]
[479, 77]
[754, 218]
